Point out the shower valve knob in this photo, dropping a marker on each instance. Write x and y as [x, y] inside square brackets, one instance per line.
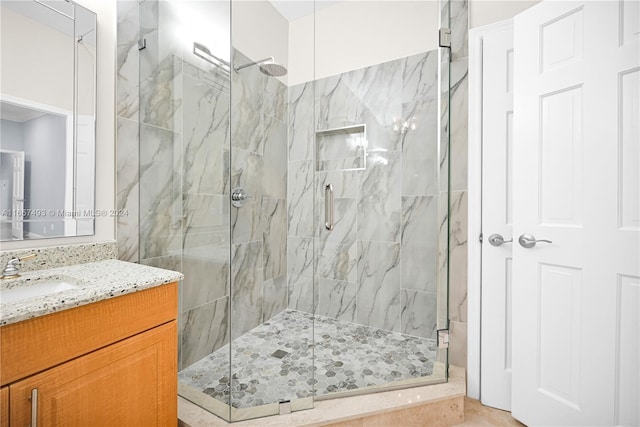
[239, 196]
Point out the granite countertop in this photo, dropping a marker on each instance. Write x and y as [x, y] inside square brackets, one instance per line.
[96, 281]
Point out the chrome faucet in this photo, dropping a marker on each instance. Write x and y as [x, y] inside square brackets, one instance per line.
[11, 269]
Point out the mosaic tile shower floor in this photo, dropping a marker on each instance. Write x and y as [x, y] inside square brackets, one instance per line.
[348, 356]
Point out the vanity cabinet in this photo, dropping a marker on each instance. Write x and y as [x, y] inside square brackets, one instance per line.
[125, 374]
[4, 407]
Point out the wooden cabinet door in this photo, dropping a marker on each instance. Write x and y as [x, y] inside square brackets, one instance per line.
[130, 383]
[4, 407]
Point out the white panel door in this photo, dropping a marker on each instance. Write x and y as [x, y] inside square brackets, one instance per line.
[497, 216]
[575, 300]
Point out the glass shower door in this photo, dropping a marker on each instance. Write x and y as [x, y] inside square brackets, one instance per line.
[380, 185]
[271, 341]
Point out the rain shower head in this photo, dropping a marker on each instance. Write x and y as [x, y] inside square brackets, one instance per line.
[267, 66]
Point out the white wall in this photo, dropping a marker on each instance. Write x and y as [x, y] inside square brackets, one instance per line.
[483, 12]
[259, 31]
[39, 53]
[105, 131]
[355, 34]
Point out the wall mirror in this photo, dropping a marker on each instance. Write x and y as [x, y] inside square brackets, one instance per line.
[47, 119]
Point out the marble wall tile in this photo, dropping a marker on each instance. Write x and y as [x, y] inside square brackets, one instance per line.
[204, 330]
[420, 149]
[379, 207]
[459, 28]
[370, 96]
[275, 102]
[274, 297]
[274, 238]
[459, 123]
[419, 243]
[458, 257]
[337, 299]
[302, 295]
[443, 260]
[301, 121]
[458, 344]
[247, 96]
[300, 198]
[247, 276]
[247, 170]
[378, 297]
[345, 184]
[300, 271]
[419, 313]
[205, 213]
[444, 123]
[205, 279]
[127, 197]
[206, 138]
[160, 86]
[127, 61]
[420, 78]
[274, 180]
[300, 258]
[336, 251]
[160, 201]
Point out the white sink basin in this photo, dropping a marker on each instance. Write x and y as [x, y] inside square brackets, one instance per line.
[38, 289]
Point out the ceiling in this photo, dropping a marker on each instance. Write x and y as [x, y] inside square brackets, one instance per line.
[296, 9]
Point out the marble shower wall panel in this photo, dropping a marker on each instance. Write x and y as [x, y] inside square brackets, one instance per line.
[247, 277]
[370, 96]
[247, 171]
[160, 69]
[419, 243]
[419, 313]
[459, 186]
[301, 121]
[378, 297]
[160, 192]
[206, 137]
[275, 297]
[300, 198]
[458, 257]
[300, 265]
[337, 299]
[127, 178]
[127, 61]
[246, 105]
[274, 180]
[274, 238]
[459, 104]
[459, 10]
[205, 329]
[379, 198]
[127, 197]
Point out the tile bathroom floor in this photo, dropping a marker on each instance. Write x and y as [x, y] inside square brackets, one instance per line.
[274, 361]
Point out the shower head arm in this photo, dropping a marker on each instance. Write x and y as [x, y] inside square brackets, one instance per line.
[250, 64]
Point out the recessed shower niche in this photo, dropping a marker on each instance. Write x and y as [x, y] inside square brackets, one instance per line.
[343, 148]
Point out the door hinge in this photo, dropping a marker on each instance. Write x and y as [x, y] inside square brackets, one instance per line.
[142, 44]
[443, 338]
[480, 238]
[445, 37]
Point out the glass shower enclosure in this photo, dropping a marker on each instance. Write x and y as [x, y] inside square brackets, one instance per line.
[294, 165]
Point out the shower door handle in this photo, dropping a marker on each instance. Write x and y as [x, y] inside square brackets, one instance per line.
[328, 207]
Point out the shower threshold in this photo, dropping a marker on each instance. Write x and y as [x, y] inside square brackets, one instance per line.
[274, 361]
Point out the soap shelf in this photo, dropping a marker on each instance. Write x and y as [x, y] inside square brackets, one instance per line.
[343, 148]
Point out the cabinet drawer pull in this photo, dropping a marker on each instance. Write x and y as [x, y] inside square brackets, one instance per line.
[34, 408]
